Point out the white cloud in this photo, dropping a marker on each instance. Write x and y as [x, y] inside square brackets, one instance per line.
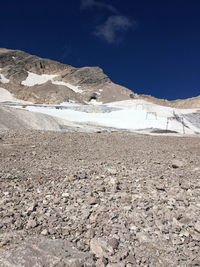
[114, 25]
[94, 3]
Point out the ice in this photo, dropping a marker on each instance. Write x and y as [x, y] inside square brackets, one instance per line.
[134, 115]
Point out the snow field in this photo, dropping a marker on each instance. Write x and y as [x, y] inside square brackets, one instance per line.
[126, 118]
[36, 79]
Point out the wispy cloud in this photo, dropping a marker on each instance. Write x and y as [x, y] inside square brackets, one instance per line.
[113, 26]
[94, 3]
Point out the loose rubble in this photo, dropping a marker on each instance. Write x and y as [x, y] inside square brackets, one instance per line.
[115, 199]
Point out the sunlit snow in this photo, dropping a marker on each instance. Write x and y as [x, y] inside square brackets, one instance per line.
[3, 79]
[73, 87]
[36, 79]
[6, 96]
[131, 115]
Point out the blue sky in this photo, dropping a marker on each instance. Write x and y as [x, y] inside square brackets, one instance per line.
[150, 46]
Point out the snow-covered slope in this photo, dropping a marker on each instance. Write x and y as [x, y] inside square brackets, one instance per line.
[130, 115]
[6, 96]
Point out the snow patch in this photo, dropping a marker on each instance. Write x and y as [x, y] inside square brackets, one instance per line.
[34, 79]
[3, 79]
[73, 87]
[6, 96]
[94, 102]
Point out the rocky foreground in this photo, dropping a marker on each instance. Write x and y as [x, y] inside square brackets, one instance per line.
[74, 199]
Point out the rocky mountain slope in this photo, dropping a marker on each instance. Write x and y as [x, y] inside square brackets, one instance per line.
[193, 102]
[41, 80]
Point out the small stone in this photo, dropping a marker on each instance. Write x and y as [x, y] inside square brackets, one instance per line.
[113, 242]
[44, 232]
[177, 163]
[73, 263]
[100, 248]
[94, 201]
[175, 222]
[65, 195]
[196, 262]
[31, 224]
[57, 200]
[160, 187]
[143, 237]
[197, 227]
[90, 233]
[32, 208]
[120, 264]
[112, 171]
[45, 202]
[101, 262]
[131, 259]
[93, 218]
[185, 185]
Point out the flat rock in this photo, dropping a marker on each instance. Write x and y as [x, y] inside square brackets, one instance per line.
[44, 252]
[100, 248]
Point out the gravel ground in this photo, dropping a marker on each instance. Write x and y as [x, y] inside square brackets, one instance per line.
[127, 200]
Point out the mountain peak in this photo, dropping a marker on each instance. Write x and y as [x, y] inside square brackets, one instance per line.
[68, 83]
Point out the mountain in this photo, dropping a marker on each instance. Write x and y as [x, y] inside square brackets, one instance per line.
[37, 93]
[193, 102]
[39, 80]
[44, 81]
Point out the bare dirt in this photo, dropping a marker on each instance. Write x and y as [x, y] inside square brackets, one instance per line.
[120, 199]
